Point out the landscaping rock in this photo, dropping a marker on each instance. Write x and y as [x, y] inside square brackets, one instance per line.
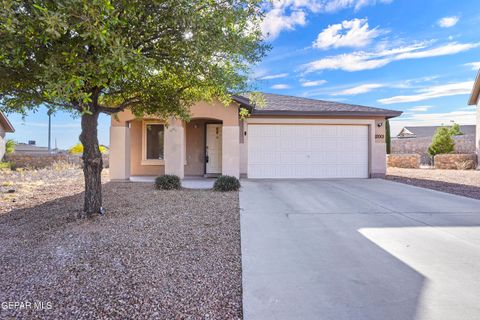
[456, 161]
[152, 255]
[403, 160]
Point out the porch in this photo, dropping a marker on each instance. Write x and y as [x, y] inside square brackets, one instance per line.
[188, 182]
[206, 146]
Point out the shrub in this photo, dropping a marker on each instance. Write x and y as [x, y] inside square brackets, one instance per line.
[78, 149]
[168, 182]
[5, 165]
[9, 146]
[226, 183]
[442, 142]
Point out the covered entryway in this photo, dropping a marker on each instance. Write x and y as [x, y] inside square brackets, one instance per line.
[203, 147]
[308, 151]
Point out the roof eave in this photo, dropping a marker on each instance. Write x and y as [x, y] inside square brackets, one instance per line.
[244, 102]
[6, 123]
[475, 91]
[388, 115]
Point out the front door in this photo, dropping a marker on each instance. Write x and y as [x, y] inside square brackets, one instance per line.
[213, 149]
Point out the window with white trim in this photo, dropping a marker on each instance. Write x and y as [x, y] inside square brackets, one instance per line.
[154, 137]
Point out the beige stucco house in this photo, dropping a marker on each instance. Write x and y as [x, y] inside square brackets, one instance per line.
[289, 137]
[475, 101]
[5, 126]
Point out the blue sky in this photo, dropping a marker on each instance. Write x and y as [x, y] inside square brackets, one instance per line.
[420, 57]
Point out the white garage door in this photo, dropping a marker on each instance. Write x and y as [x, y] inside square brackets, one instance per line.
[307, 151]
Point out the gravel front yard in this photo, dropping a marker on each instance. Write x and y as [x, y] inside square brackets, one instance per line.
[155, 254]
[32, 187]
[461, 182]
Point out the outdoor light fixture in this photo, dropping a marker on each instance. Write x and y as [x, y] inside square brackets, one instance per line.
[380, 124]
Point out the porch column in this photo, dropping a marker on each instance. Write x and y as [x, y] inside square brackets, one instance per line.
[119, 153]
[231, 151]
[174, 148]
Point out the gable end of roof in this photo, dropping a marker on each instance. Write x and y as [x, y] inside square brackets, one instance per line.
[5, 123]
[475, 91]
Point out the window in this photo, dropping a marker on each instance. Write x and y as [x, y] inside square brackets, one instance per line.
[154, 141]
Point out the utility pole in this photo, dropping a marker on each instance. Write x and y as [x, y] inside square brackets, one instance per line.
[49, 112]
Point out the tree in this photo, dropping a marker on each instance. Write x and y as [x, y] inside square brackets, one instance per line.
[388, 139]
[455, 130]
[442, 142]
[153, 57]
[78, 149]
[9, 146]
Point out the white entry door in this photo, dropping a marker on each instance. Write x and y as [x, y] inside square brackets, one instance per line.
[214, 148]
[307, 151]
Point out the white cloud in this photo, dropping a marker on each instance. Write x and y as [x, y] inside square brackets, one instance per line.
[474, 65]
[277, 20]
[313, 83]
[350, 33]
[283, 15]
[364, 88]
[432, 119]
[335, 5]
[280, 86]
[274, 76]
[420, 108]
[447, 49]
[450, 89]
[362, 60]
[447, 22]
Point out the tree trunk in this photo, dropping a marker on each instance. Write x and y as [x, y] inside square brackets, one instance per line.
[92, 165]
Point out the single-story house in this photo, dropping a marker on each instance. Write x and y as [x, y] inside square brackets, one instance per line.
[288, 137]
[5, 126]
[475, 101]
[428, 131]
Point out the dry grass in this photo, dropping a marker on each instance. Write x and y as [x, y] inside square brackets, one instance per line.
[25, 188]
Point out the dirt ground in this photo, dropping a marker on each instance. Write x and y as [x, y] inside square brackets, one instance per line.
[153, 255]
[26, 188]
[461, 182]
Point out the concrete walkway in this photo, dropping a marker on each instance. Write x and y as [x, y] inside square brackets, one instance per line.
[187, 182]
[358, 249]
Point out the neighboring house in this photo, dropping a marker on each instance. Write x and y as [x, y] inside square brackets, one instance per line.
[418, 139]
[429, 131]
[30, 148]
[289, 137]
[5, 126]
[475, 101]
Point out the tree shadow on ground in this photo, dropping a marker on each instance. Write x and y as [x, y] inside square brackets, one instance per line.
[154, 254]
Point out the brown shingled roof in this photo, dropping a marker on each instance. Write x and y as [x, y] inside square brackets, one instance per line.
[5, 123]
[276, 104]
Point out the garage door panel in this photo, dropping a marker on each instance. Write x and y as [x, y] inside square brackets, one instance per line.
[308, 151]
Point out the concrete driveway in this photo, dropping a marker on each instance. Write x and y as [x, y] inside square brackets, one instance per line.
[358, 249]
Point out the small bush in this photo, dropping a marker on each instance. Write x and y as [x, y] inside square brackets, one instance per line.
[9, 146]
[5, 165]
[226, 183]
[168, 182]
[78, 149]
